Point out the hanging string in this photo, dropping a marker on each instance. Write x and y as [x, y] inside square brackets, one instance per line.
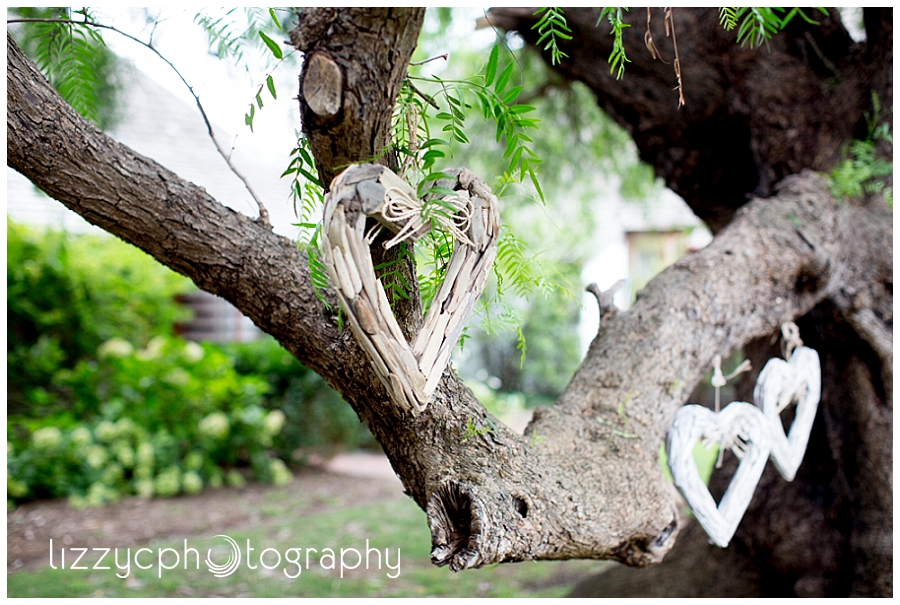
[719, 380]
[726, 436]
[790, 335]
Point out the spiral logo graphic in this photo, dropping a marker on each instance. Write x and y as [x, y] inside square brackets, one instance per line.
[234, 559]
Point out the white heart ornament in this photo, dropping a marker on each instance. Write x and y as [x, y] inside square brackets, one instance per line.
[736, 420]
[780, 384]
[410, 373]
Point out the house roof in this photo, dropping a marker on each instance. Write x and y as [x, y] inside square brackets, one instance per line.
[160, 126]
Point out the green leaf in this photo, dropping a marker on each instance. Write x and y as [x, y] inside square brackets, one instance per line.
[519, 109]
[273, 46]
[275, 19]
[490, 72]
[512, 94]
[271, 84]
[503, 80]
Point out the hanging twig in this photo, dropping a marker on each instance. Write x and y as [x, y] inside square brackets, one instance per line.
[648, 40]
[670, 27]
[426, 98]
[263, 213]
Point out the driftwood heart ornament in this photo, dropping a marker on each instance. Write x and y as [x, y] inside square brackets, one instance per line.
[409, 372]
[740, 425]
[781, 384]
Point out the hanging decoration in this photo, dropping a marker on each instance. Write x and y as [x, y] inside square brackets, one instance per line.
[753, 432]
[409, 372]
[782, 384]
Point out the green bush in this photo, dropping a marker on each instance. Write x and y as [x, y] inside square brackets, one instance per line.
[103, 402]
[169, 418]
[66, 295]
[315, 414]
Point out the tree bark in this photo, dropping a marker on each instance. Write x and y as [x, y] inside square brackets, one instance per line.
[591, 486]
[752, 117]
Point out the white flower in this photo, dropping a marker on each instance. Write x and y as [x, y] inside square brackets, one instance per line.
[106, 431]
[46, 438]
[177, 377]
[81, 436]
[215, 426]
[115, 347]
[145, 453]
[193, 352]
[280, 473]
[192, 482]
[273, 422]
[96, 456]
[193, 461]
[151, 351]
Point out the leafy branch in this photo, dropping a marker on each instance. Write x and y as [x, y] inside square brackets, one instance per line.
[617, 58]
[552, 27]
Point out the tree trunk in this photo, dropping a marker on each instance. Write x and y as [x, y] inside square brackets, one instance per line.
[591, 487]
[753, 117]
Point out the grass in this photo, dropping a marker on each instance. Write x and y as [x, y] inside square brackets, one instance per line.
[393, 525]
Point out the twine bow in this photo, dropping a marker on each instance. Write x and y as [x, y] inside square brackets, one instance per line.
[400, 207]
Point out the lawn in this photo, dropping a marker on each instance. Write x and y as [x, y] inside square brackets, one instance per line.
[397, 526]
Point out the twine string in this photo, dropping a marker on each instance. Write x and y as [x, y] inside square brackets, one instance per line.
[727, 436]
[400, 208]
[790, 334]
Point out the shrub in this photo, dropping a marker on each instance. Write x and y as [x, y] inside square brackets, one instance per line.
[66, 295]
[169, 418]
[314, 414]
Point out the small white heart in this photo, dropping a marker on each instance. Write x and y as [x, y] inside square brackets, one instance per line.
[692, 422]
[780, 384]
[410, 373]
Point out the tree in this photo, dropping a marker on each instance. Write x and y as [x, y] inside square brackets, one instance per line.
[755, 124]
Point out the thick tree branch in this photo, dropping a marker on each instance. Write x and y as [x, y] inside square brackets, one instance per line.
[746, 124]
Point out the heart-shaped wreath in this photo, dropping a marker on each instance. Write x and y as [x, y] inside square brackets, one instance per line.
[740, 425]
[409, 372]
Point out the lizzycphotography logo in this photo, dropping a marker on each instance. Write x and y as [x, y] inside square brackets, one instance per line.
[291, 561]
[234, 559]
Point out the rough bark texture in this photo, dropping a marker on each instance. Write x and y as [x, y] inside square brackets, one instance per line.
[584, 490]
[752, 118]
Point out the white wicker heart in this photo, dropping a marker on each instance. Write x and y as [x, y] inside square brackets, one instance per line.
[780, 384]
[739, 423]
[409, 372]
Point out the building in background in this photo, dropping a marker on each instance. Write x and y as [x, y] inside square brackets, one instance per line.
[160, 126]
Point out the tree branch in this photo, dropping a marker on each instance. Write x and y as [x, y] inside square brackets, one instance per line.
[752, 116]
[263, 213]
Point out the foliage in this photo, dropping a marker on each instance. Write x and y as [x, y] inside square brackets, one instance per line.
[864, 171]
[755, 25]
[552, 27]
[232, 33]
[68, 294]
[169, 418]
[74, 59]
[759, 23]
[315, 414]
[617, 58]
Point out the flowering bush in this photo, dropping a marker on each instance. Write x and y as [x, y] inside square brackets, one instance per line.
[170, 418]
